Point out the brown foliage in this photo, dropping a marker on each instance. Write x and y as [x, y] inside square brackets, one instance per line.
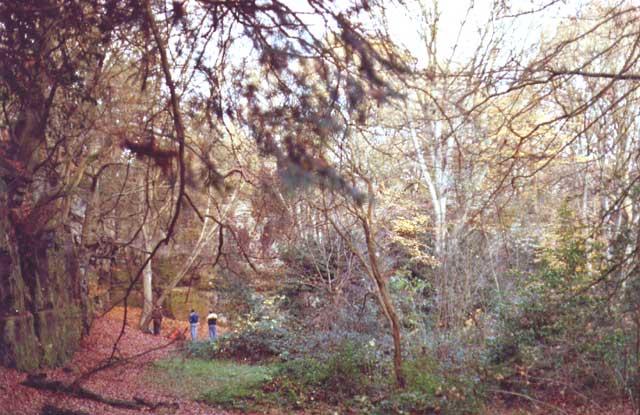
[163, 158]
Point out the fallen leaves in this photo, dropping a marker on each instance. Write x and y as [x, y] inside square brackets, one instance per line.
[125, 381]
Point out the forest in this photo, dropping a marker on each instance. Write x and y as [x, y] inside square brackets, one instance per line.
[391, 207]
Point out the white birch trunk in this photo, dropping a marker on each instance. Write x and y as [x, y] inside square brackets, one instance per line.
[147, 277]
[437, 203]
[437, 183]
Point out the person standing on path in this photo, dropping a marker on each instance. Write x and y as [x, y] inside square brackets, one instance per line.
[156, 316]
[212, 320]
[193, 320]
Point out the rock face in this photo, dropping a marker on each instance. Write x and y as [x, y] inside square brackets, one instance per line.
[41, 318]
[183, 299]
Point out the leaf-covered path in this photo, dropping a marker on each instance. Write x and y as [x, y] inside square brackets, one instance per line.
[125, 381]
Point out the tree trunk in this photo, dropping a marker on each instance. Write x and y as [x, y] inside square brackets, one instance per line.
[373, 272]
[88, 238]
[387, 306]
[40, 314]
[147, 281]
[436, 201]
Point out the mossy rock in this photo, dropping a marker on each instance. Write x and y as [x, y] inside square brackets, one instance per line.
[165, 268]
[134, 299]
[19, 342]
[182, 300]
[47, 339]
[59, 331]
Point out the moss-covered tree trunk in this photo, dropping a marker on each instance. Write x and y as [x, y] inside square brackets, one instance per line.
[41, 312]
[40, 315]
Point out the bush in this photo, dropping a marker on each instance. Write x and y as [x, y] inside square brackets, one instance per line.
[567, 329]
[568, 344]
[306, 371]
[434, 388]
[203, 349]
[350, 369]
[256, 344]
[347, 374]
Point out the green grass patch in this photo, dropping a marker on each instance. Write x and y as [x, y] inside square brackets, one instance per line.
[346, 381]
[225, 383]
[348, 373]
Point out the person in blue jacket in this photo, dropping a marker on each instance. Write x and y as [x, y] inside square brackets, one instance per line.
[193, 320]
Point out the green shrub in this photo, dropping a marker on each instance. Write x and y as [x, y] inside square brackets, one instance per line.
[567, 325]
[421, 376]
[350, 369]
[346, 374]
[204, 349]
[256, 344]
[434, 388]
[306, 371]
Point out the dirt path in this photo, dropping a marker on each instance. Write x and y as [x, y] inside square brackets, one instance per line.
[125, 381]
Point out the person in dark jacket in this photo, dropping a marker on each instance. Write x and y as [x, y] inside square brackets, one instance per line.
[193, 321]
[156, 316]
[212, 320]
